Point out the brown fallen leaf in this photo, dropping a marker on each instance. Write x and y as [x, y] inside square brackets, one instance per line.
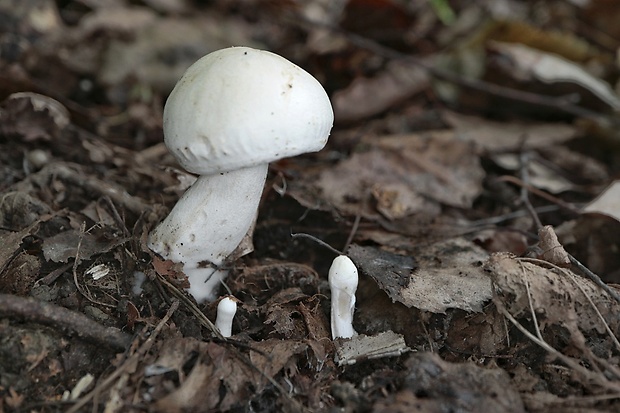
[405, 174]
[550, 247]
[495, 136]
[557, 297]
[443, 275]
[432, 385]
[217, 378]
[366, 97]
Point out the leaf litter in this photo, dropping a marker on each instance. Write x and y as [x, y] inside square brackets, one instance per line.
[470, 169]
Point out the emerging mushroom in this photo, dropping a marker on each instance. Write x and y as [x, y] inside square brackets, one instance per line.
[226, 309]
[343, 281]
[233, 111]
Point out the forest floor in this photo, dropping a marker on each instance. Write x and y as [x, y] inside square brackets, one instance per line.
[470, 176]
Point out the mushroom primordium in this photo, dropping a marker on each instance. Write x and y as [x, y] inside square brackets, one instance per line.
[343, 281]
[232, 112]
[226, 310]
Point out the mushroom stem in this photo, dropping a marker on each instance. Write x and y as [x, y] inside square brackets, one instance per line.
[207, 224]
[343, 281]
[226, 310]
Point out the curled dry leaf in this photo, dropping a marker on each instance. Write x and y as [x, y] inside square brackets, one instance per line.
[557, 297]
[550, 247]
[32, 117]
[529, 64]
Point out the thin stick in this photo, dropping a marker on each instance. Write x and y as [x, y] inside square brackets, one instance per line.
[524, 160]
[538, 192]
[570, 362]
[202, 319]
[318, 241]
[597, 280]
[354, 228]
[62, 318]
[129, 364]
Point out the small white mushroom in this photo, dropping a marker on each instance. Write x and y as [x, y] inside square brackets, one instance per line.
[226, 310]
[233, 111]
[343, 281]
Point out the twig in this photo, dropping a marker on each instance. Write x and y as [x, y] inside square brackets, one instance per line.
[353, 231]
[511, 215]
[568, 275]
[597, 280]
[598, 313]
[570, 362]
[59, 317]
[318, 241]
[129, 364]
[524, 161]
[202, 319]
[538, 192]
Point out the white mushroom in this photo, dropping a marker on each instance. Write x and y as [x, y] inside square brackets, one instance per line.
[226, 309]
[233, 111]
[343, 281]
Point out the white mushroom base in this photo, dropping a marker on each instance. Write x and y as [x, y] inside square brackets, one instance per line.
[207, 225]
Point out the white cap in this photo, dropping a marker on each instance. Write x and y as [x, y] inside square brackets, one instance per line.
[241, 107]
[343, 275]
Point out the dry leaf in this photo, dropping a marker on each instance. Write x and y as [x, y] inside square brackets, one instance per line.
[541, 175]
[607, 203]
[557, 298]
[434, 385]
[503, 136]
[366, 97]
[63, 246]
[448, 274]
[550, 247]
[530, 64]
[405, 174]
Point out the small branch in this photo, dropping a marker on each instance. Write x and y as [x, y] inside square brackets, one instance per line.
[597, 280]
[524, 161]
[538, 192]
[318, 241]
[599, 379]
[52, 315]
[129, 364]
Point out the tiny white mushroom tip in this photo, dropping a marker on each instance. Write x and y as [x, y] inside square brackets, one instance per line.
[343, 274]
[227, 305]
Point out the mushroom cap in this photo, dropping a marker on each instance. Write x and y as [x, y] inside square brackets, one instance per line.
[240, 107]
[343, 275]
